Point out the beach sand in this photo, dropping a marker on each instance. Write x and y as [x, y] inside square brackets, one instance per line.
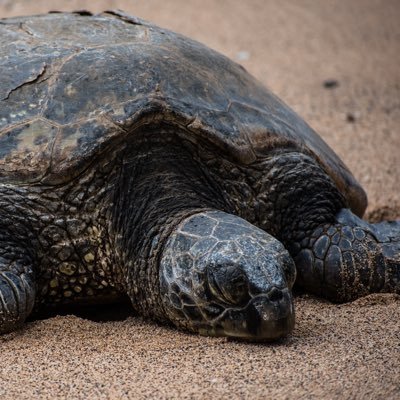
[336, 351]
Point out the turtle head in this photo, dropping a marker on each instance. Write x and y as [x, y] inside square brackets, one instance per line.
[222, 276]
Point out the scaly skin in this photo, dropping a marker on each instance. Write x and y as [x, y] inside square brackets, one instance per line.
[350, 258]
[222, 276]
[57, 236]
[123, 224]
[338, 255]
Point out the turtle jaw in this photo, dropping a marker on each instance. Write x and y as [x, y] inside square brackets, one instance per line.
[265, 318]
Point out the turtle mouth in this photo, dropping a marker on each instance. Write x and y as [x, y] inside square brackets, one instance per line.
[265, 317]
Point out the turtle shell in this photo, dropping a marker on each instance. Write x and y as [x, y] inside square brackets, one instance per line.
[74, 83]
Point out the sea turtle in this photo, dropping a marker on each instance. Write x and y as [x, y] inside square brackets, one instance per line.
[135, 160]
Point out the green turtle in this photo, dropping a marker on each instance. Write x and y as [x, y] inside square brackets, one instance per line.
[136, 161]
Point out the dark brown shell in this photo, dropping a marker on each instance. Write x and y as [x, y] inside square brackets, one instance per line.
[72, 84]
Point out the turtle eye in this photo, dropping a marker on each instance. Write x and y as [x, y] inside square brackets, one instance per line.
[228, 283]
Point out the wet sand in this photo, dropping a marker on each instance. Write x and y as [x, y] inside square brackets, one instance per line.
[335, 351]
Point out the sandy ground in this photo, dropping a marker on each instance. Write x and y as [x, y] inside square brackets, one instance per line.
[335, 352]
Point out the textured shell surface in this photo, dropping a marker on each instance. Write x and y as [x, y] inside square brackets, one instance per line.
[72, 85]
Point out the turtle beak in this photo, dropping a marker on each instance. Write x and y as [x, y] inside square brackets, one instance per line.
[266, 317]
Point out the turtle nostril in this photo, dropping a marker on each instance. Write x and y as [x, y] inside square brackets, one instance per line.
[275, 294]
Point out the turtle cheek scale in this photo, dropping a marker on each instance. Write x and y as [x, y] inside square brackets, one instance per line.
[222, 276]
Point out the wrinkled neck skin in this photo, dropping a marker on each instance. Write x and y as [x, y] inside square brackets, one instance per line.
[159, 186]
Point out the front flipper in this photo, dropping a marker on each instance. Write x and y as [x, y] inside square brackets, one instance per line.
[350, 258]
[222, 276]
[17, 294]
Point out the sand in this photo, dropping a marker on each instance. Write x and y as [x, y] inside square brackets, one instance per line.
[336, 351]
